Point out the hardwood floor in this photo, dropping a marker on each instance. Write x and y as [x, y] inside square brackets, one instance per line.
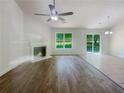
[112, 66]
[60, 74]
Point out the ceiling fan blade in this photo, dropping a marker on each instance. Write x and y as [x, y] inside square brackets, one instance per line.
[62, 19]
[66, 14]
[42, 14]
[49, 20]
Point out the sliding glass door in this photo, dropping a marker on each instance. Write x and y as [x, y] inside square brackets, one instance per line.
[93, 43]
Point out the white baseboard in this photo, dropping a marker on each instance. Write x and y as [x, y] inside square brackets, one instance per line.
[5, 71]
[14, 63]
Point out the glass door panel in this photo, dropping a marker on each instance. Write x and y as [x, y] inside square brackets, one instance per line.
[96, 43]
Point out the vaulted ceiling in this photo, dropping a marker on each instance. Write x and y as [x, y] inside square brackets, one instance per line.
[88, 14]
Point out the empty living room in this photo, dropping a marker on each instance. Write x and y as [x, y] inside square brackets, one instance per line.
[61, 46]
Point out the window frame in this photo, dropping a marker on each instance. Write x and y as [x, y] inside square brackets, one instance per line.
[63, 40]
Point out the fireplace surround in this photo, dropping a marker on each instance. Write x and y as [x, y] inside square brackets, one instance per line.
[39, 51]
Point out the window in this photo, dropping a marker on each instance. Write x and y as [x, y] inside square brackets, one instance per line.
[68, 40]
[59, 40]
[93, 43]
[63, 40]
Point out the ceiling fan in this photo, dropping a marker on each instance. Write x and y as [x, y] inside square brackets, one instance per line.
[54, 15]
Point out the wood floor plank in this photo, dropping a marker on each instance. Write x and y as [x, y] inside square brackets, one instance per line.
[60, 74]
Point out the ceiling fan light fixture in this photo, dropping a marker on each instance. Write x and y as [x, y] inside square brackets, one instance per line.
[55, 18]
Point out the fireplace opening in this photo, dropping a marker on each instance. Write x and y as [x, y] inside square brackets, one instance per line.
[40, 51]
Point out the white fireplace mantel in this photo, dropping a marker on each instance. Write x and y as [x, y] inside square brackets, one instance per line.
[38, 44]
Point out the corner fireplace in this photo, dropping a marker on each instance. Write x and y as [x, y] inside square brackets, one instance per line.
[39, 51]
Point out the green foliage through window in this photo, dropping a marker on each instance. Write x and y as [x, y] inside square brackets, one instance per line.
[63, 40]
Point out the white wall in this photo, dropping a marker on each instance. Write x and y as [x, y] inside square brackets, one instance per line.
[36, 32]
[17, 31]
[0, 38]
[117, 43]
[79, 41]
[11, 35]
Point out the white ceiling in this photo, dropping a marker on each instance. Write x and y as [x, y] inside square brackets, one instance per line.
[88, 14]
